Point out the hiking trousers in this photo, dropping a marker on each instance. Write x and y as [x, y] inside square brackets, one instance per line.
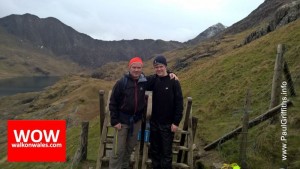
[124, 144]
[161, 140]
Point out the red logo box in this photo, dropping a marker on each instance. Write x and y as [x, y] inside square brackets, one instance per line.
[36, 141]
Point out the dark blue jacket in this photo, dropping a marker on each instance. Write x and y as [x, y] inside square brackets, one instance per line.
[128, 99]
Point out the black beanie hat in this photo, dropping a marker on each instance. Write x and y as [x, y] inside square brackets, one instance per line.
[160, 60]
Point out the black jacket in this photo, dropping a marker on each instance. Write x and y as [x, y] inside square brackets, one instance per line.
[167, 99]
[127, 99]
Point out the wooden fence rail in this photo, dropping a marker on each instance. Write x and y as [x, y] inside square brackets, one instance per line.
[270, 113]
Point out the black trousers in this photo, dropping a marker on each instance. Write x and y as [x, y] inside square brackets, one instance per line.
[161, 140]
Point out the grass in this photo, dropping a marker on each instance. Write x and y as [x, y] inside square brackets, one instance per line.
[219, 84]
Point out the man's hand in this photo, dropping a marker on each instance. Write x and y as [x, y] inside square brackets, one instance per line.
[172, 76]
[118, 126]
[174, 128]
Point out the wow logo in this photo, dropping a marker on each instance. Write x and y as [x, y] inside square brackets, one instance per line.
[36, 141]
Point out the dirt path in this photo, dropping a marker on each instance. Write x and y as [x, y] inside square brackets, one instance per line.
[207, 158]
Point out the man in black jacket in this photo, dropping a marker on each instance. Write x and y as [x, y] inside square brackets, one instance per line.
[167, 111]
[127, 103]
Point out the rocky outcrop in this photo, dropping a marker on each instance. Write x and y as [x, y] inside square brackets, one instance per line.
[284, 15]
[263, 13]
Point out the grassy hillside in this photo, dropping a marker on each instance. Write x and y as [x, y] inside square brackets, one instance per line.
[29, 60]
[218, 86]
[74, 99]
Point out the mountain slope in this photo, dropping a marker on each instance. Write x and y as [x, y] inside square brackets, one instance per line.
[262, 14]
[66, 42]
[18, 57]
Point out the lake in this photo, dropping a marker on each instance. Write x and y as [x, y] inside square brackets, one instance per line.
[16, 85]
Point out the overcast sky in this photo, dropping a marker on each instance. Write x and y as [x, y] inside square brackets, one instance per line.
[178, 20]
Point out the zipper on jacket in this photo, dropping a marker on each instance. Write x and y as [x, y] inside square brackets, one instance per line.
[135, 96]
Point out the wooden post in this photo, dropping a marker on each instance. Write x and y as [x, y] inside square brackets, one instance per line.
[139, 156]
[270, 113]
[103, 136]
[185, 126]
[148, 116]
[194, 128]
[288, 78]
[190, 142]
[81, 152]
[102, 109]
[84, 139]
[277, 78]
[194, 125]
[243, 145]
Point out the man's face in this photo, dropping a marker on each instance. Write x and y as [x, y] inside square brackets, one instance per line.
[136, 70]
[160, 70]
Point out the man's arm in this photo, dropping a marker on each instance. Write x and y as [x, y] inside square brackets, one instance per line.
[178, 103]
[150, 82]
[115, 101]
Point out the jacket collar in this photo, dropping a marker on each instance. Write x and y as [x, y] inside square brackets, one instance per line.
[142, 77]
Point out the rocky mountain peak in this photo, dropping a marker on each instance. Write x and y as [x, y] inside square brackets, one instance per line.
[208, 33]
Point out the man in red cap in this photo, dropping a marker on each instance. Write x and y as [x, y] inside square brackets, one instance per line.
[127, 103]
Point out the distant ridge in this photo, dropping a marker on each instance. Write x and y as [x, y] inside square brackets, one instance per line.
[66, 42]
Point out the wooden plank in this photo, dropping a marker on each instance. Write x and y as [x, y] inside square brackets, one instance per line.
[252, 123]
[146, 145]
[176, 141]
[101, 108]
[180, 131]
[194, 124]
[105, 158]
[108, 141]
[185, 126]
[183, 148]
[101, 151]
[277, 79]
[149, 105]
[180, 165]
[190, 143]
[149, 161]
[141, 142]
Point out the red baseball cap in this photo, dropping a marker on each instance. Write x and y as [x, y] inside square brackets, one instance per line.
[135, 60]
